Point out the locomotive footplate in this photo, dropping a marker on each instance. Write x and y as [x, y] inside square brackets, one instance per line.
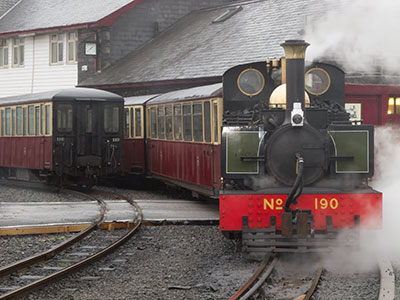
[296, 236]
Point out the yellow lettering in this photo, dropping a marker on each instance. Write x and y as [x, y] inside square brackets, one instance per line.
[279, 203]
[270, 204]
[324, 203]
[334, 203]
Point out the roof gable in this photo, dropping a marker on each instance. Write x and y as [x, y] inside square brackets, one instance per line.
[42, 15]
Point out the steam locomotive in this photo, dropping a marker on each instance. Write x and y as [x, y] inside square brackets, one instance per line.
[295, 170]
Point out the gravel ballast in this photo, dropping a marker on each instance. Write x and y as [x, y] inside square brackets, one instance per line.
[179, 262]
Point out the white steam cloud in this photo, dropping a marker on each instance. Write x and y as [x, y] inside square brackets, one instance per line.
[387, 180]
[362, 33]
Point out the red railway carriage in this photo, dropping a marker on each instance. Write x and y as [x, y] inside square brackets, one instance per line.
[134, 144]
[70, 135]
[374, 104]
[182, 137]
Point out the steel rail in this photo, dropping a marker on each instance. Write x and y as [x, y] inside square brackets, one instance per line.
[387, 280]
[46, 255]
[263, 271]
[313, 286]
[62, 273]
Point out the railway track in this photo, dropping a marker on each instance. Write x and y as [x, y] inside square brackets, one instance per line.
[28, 274]
[263, 272]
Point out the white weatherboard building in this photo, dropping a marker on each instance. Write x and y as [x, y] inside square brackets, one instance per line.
[43, 42]
[34, 63]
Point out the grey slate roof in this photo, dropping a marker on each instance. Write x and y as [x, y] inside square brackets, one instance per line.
[42, 14]
[80, 94]
[195, 47]
[5, 5]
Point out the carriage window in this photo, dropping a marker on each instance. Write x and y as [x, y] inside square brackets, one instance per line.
[8, 121]
[37, 118]
[197, 122]
[19, 120]
[138, 122]
[153, 118]
[187, 122]
[394, 106]
[64, 118]
[132, 122]
[177, 122]
[168, 121]
[2, 122]
[31, 120]
[111, 119]
[126, 122]
[25, 118]
[89, 119]
[14, 116]
[215, 123]
[207, 119]
[48, 118]
[41, 119]
[160, 122]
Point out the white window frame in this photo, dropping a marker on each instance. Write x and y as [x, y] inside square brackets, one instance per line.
[4, 53]
[58, 41]
[74, 43]
[18, 52]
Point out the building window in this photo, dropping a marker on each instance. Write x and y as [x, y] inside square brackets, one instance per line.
[57, 48]
[3, 53]
[72, 50]
[18, 52]
[393, 106]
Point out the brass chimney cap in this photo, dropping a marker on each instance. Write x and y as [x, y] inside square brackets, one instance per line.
[295, 49]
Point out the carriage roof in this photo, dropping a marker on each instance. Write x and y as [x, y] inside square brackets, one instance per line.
[71, 94]
[200, 92]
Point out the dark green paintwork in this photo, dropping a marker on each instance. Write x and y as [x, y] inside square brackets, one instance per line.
[354, 144]
[241, 144]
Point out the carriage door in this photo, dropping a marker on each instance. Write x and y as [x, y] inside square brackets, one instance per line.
[64, 137]
[88, 129]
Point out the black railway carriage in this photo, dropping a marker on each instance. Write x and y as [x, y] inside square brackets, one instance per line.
[70, 135]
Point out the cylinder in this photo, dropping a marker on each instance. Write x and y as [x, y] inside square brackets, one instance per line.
[295, 52]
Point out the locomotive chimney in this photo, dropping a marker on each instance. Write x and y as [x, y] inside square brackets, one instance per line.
[295, 52]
